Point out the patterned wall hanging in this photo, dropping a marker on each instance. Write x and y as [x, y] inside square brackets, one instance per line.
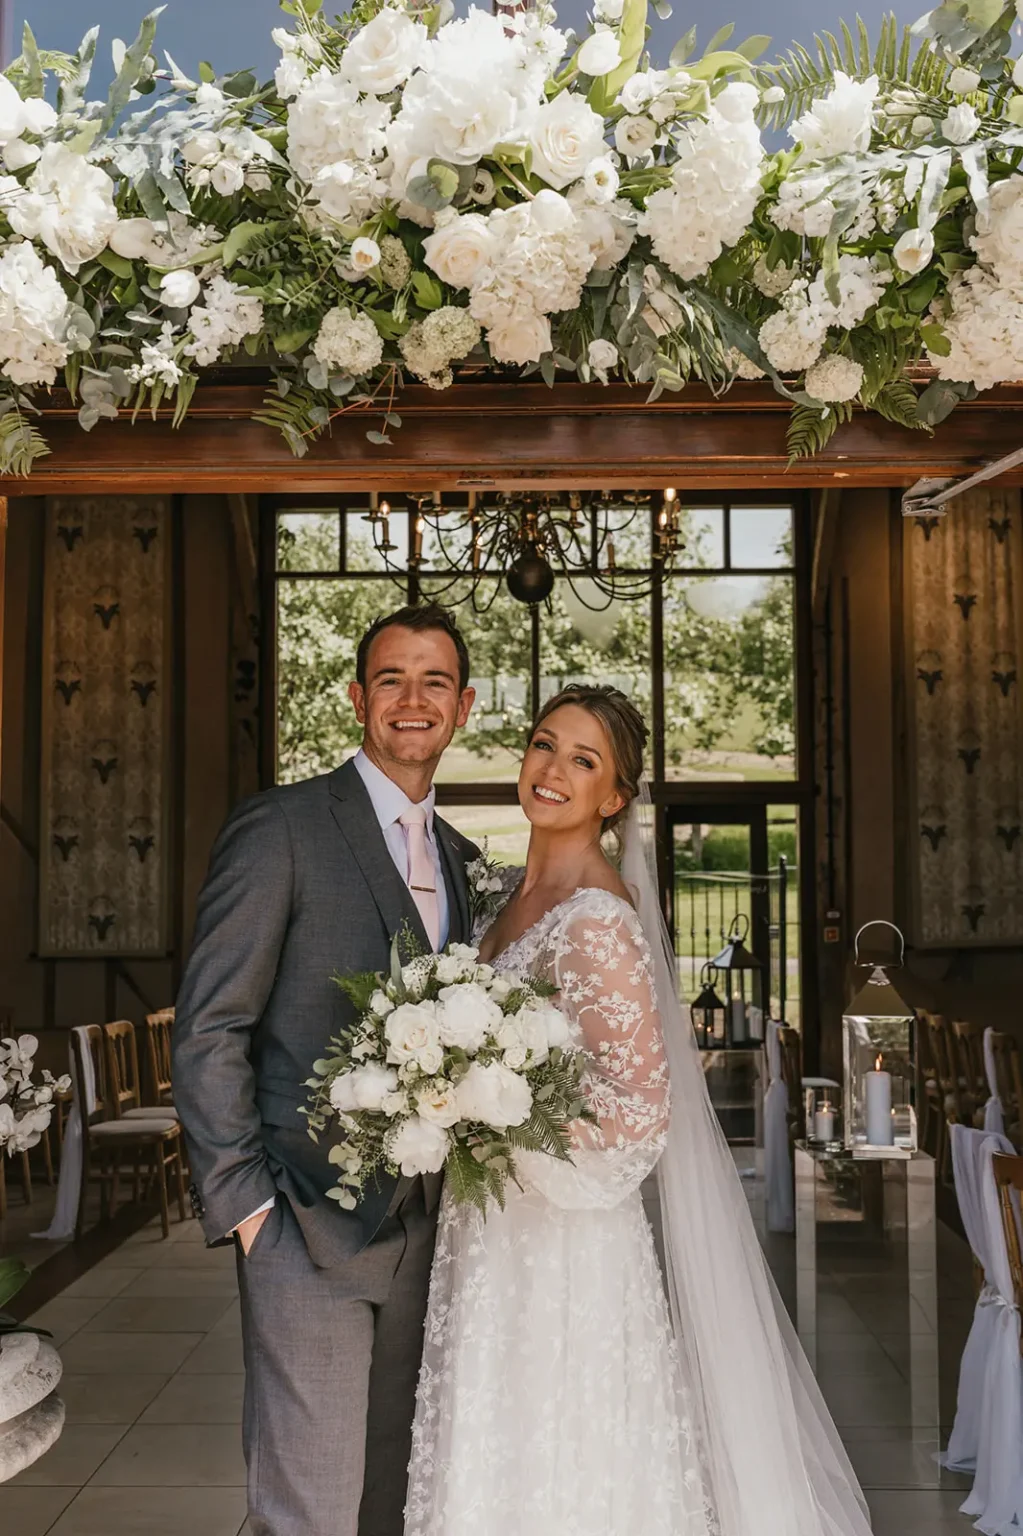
[106, 792]
[962, 604]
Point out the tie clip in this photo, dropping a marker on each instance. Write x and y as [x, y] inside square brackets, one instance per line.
[431, 888]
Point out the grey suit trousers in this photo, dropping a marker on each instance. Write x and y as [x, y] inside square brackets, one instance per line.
[331, 1364]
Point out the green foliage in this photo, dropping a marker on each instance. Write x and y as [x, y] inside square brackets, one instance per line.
[811, 428]
[20, 443]
[802, 75]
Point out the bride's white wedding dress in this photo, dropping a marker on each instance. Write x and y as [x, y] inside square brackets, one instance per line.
[551, 1401]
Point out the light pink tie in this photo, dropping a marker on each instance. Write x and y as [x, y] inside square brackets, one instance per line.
[422, 875]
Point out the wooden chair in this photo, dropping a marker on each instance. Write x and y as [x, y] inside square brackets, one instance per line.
[1009, 1082]
[1008, 1172]
[968, 1040]
[159, 1027]
[110, 1136]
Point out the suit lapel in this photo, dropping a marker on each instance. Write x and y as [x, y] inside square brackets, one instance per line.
[453, 864]
[353, 812]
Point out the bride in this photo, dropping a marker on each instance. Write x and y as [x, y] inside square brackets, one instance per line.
[566, 1389]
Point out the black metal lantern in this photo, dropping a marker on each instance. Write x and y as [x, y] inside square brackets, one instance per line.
[708, 1011]
[744, 1008]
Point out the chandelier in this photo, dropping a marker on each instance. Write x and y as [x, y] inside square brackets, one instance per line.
[609, 546]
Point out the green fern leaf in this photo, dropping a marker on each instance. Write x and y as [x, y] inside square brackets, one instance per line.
[20, 443]
[897, 402]
[810, 429]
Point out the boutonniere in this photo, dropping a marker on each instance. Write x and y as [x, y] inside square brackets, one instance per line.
[483, 876]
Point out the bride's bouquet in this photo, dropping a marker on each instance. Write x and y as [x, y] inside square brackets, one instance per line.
[449, 1065]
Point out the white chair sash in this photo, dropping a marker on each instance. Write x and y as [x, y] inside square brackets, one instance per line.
[988, 1429]
[994, 1116]
[69, 1182]
[777, 1167]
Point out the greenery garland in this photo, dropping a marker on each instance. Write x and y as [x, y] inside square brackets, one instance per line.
[414, 194]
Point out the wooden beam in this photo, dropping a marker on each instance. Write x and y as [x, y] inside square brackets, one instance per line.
[245, 562]
[515, 436]
[3, 583]
[825, 535]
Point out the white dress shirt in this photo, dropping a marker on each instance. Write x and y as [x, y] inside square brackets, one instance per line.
[389, 802]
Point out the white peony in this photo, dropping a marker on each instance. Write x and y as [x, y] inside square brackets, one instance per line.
[738, 102]
[960, 124]
[466, 1014]
[348, 341]
[834, 379]
[327, 122]
[599, 54]
[601, 355]
[417, 1146]
[459, 248]
[384, 52]
[365, 1087]
[33, 317]
[998, 238]
[566, 135]
[635, 136]
[913, 250]
[839, 123]
[69, 206]
[180, 288]
[439, 1104]
[410, 1029]
[494, 1095]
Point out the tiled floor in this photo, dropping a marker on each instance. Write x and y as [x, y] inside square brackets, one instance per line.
[150, 1339]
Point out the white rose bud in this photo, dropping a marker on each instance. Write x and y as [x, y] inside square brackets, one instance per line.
[635, 135]
[921, 126]
[962, 81]
[772, 95]
[913, 250]
[365, 254]
[179, 289]
[419, 1147]
[599, 54]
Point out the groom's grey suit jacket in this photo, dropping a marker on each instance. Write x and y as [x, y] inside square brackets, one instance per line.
[300, 885]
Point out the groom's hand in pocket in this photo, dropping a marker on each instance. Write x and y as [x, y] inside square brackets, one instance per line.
[248, 1229]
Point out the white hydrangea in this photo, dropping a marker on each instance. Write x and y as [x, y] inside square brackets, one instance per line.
[430, 346]
[984, 326]
[225, 317]
[839, 123]
[68, 205]
[33, 317]
[328, 122]
[860, 285]
[998, 240]
[156, 360]
[743, 367]
[348, 341]
[773, 282]
[298, 51]
[715, 185]
[834, 379]
[793, 336]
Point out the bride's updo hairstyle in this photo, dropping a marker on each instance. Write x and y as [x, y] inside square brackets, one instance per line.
[624, 728]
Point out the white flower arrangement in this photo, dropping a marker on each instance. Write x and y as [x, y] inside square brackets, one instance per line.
[26, 1106]
[449, 1066]
[415, 193]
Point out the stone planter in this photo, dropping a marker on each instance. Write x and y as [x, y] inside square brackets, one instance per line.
[31, 1413]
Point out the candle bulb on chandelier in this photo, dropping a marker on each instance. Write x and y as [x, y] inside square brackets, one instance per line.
[417, 538]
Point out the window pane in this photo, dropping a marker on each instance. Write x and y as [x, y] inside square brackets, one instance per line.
[628, 527]
[362, 552]
[761, 536]
[309, 541]
[451, 543]
[728, 677]
[504, 827]
[703, 535]
[578, 645]
[319, 625]
[490, 747]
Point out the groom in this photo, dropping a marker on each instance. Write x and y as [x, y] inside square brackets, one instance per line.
[304, 880]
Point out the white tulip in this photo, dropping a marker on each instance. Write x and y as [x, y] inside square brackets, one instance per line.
[913, 250]
[179, 289]
[365, 254]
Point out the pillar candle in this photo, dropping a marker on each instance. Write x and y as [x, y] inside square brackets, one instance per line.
[877, 1092]
[824, 1123]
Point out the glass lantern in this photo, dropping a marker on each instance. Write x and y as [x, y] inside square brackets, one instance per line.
[741, 976]
[878, 1041]
[708, 1012]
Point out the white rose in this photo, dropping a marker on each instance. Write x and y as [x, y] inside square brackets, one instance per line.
[635, 135]
[459, 248]
[18, 154]
[504, 985]
[466, 1015]
[365, 253]
[227, 176]
[601, 179]
[395, 1103]
[459, 964]
[513, 1046]
[961, 123]
[381, 1004]
[913, 250]
[409, 1029]
[523, 338]
[384, 52]
[567, 134]
[599, 54]
[364, 1088]
[637, 92]
[430, 1058]
[494, 1095]
[601, 355]
[439, 1104]
[419, 1147]
[179, 289]
[962, 81]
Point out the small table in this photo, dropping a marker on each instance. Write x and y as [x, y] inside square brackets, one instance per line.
[872, 1218]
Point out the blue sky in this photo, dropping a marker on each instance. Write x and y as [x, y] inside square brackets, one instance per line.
[235, 34]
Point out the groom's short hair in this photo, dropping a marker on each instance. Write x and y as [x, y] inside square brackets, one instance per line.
[421, 616]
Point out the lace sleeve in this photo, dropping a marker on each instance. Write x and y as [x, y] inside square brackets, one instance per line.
[603, 969]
